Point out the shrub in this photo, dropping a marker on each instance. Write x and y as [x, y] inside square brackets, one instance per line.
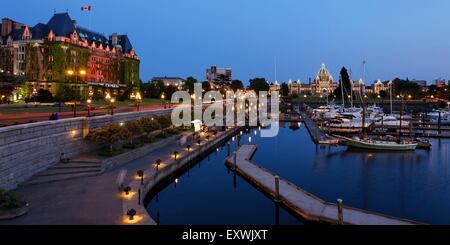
[110, 134]
[172, 131]
[149, 125]
[10, 200]
[135, 129]
[44, 96]
[164, 121]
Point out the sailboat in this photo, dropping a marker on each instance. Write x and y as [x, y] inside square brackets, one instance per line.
[369, 144]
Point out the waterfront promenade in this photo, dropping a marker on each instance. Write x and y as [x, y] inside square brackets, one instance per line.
[96, 199]
[299, 201]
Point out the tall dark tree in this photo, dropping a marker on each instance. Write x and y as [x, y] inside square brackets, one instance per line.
[237, 84]
[259, 84]
[344, 79]
[189, 84]
[284, 89]
[206, 86]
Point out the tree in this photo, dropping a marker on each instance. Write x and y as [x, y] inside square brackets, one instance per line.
[223, 78]
[189, 84]
[284, 89]
[153, 89]
[9, 82]
[345, 79]
[259, 84]
[135, 129]
[110, 134]
[406, 88]
[206, 86]
[67, 93]
[236, 84]
[44, 96]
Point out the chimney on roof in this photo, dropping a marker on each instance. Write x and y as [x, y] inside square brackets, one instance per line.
[114, 38]
[6, 26]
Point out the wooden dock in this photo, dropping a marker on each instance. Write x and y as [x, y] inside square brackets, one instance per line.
[302, 203]
[317, 134]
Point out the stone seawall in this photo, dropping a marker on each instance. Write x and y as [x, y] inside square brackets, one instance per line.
[31, 148]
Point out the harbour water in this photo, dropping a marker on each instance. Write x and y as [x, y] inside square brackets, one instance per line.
[413, 185]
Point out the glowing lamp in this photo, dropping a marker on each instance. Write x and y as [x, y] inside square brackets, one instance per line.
[127, 190]
[140, 173]
[131, 213]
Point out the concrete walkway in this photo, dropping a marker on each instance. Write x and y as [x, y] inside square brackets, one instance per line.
[87, 200]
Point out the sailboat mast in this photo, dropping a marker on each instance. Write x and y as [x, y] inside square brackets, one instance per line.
[390, 92]
[342, 92]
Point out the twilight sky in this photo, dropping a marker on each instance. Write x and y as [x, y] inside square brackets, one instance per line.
[397, 38]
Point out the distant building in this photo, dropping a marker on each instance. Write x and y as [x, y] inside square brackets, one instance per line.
[440, 82]
[274, 87]
[324, 83]
[368, 90]
[294, 87]
[170, 81]
[421, 83]
[63, 53]
[298, 88]
[359, 87]
[379, 86]
[218, 76]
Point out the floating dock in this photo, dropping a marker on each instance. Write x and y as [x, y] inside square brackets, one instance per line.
[317, 134]
[302, 203]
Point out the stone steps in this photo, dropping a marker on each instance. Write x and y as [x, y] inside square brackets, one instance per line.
[65, 171]
[54, 178]
[69, 171]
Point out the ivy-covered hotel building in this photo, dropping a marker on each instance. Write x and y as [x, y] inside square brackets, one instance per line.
[61, 55]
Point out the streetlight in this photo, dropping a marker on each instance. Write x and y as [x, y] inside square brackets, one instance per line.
[89, 101]
[162, 99]
[137, 100]
[112, 100]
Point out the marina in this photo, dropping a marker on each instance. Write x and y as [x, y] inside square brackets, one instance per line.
[301, 202]
[410, 185]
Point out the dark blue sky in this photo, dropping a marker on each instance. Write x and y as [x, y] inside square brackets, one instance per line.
[404, 38]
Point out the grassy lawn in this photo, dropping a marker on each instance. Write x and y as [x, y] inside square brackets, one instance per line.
[127, 103]
[30, 108]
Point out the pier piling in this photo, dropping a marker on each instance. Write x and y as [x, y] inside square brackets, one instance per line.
[277, 189]
[340, 212]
